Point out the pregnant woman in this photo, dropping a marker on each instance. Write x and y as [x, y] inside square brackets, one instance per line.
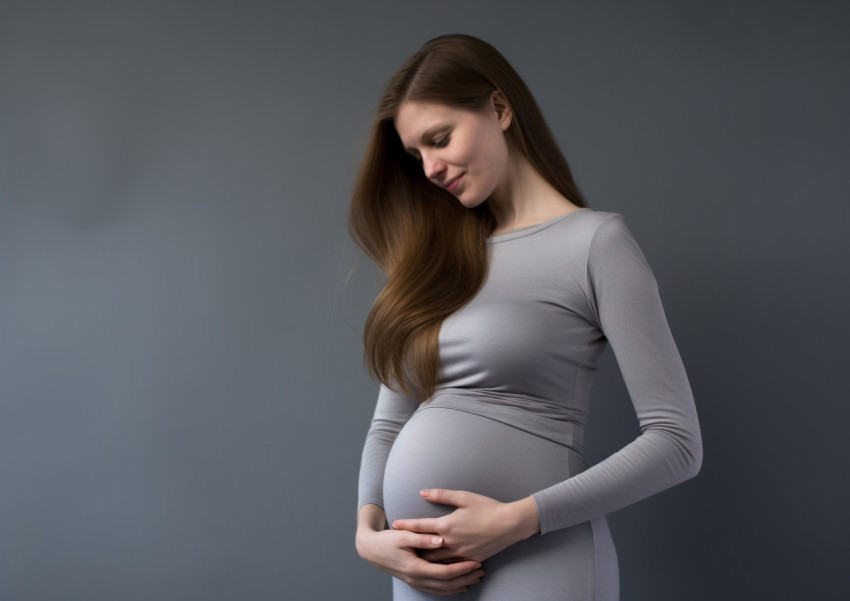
[502, 290]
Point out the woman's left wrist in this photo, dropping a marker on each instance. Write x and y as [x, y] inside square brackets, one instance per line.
[527, 517]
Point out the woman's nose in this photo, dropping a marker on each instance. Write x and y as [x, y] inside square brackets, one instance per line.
[432, 167]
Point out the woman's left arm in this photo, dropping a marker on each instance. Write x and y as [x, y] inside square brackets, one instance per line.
[623, 295]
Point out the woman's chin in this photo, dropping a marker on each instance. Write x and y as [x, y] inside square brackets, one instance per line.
[469, 202]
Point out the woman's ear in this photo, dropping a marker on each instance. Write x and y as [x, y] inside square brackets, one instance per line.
[502, 109]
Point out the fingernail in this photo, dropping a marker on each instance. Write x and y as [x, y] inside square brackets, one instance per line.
[436, 540]
[424, 492]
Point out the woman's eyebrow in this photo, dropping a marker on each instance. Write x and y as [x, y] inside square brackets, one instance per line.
[430, 132]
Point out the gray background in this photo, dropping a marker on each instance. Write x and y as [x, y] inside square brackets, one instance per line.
[183, 397]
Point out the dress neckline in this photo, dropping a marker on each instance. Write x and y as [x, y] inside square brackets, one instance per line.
[526, 230]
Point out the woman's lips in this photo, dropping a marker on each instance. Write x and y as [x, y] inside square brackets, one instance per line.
[451, 187]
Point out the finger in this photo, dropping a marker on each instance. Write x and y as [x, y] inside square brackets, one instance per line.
[428, 525]
[446, 587]
[445, 571]
[442, 554]
[444, 496]
[421, 541]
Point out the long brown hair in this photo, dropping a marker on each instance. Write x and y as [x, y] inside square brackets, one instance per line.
[431, 248]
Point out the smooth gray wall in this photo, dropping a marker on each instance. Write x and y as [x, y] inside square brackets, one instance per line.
[182, 397]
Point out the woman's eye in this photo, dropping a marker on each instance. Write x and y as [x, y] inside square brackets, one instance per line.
[441, 143]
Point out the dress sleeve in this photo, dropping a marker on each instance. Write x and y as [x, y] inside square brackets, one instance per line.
[623, 295]
[392, 411]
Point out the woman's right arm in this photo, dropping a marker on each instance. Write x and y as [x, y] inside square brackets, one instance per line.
[392, 411]
[394, 551]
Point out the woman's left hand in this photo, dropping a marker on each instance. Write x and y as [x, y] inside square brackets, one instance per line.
[479, 528]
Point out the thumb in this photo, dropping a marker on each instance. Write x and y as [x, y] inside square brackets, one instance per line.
[446, 497]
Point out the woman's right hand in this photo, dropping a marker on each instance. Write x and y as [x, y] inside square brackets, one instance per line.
[394, 552]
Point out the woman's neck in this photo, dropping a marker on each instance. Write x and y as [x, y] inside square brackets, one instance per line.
[524, 197]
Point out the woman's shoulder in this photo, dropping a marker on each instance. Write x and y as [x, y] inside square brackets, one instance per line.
[611, 244]
[572, 234]
[584, 225]
[596, 236]
[595, 217]
[600, 226]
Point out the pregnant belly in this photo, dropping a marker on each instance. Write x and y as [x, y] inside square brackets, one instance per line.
[449, 448]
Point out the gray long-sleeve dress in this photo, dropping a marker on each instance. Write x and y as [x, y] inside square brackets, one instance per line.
[507, 418]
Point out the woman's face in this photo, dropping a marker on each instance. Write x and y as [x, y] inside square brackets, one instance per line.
[464, 152]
